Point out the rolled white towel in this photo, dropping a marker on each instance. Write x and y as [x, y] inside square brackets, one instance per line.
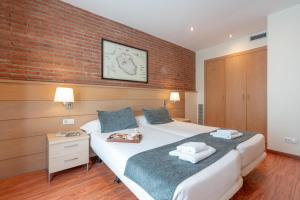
[226, 136]
[192, 147]
[194, 158]
[227, 131]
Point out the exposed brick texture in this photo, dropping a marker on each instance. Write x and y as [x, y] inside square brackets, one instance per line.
[49, 40]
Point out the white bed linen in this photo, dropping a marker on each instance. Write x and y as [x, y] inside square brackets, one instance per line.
[218, 181]
[250, 150]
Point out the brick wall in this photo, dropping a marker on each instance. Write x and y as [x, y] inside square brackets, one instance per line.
[53, 41]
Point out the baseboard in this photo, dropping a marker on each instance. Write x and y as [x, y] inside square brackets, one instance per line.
[284, 154]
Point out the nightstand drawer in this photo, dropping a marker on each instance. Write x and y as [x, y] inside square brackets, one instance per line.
[66, 148]
[67, 161]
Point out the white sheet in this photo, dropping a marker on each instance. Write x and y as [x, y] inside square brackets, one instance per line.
[250, 150]
[219, 180]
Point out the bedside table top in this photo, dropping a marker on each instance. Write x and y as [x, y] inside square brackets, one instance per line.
[53, 139]
[181, 119]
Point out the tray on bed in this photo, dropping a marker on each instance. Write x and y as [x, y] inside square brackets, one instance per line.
[123, 137]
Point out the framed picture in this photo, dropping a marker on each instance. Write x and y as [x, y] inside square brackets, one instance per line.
[125, 63]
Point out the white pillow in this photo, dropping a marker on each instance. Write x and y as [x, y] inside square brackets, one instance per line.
[141, 120]
[91, 127]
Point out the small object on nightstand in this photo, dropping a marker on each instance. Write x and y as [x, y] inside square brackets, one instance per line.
[182, 119]
[67, 152]
[68, 133]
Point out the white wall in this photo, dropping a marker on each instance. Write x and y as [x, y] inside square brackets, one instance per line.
[232, 46]
[191, 107]
[284, 79]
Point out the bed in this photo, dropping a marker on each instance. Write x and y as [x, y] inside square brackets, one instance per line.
[252, 151]
[221, 180]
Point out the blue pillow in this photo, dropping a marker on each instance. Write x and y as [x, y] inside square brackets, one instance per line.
[117, 120]
[157, 116]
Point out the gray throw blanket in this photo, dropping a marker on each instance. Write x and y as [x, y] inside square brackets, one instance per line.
[159, 174]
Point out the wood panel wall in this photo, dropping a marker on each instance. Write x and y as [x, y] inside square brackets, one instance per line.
[28, 113]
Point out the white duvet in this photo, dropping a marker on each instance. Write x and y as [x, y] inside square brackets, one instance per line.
[250, 150]
[218, 181]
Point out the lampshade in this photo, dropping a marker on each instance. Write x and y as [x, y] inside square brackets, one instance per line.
[64, 95]
[174, 96]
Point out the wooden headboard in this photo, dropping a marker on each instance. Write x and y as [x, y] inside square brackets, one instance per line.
[28, 113]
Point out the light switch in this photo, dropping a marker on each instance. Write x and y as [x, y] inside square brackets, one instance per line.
[290, 140]
[68, 121]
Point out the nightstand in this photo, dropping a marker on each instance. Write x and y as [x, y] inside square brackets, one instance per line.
[182, 119]
[67, 152]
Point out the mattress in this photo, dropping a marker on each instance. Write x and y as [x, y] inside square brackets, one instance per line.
[223, 174]
[249, 150]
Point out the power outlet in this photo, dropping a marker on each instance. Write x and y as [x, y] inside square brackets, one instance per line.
[68, 121]
[290, 140]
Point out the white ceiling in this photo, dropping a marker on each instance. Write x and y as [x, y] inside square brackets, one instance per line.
[213, 20]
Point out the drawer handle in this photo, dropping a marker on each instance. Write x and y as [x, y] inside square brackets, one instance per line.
[70, 146]
[71, 159]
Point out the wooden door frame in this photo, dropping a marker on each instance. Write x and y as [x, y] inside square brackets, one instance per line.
[205, 88]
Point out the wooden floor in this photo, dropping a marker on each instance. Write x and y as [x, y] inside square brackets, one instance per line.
[277, 178]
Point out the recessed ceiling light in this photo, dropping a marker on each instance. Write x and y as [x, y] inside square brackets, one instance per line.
[192, 28]
[230, 36]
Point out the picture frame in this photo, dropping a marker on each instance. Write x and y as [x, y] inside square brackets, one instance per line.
[123, 62]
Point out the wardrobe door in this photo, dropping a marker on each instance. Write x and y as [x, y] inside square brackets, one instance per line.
[215, 92]
[257, 92]
[235, 109]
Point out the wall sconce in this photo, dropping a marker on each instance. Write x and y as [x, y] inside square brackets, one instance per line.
[174, 97]
[64, 95]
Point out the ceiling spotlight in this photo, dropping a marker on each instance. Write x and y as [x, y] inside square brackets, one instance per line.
[230, 36]
[192, 28]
